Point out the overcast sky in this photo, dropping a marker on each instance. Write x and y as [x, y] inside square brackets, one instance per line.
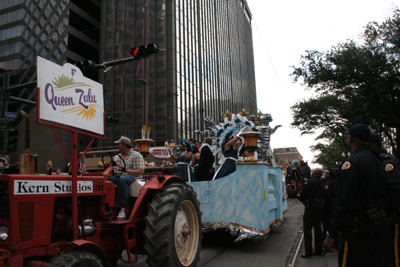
[282, 32]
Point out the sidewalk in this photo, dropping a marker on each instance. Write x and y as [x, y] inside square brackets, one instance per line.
[330, 259]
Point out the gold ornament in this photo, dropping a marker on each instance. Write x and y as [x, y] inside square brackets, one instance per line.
[228, 115]
[244, 113]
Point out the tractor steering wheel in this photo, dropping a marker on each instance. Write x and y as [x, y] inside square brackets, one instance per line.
[117, 170]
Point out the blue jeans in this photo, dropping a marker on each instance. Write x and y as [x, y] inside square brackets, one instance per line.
[123, 184]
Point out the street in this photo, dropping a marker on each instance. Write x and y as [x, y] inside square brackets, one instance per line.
[219, 248]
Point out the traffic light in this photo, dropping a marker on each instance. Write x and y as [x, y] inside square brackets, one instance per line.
[88, 64]
[152, 48]
[12, 140]
[111, 119]
[144, 51]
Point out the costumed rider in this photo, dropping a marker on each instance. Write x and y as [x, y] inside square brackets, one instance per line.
[205, 171]
[195, 160]
[134, 169]
[184, 161]
[231, 155]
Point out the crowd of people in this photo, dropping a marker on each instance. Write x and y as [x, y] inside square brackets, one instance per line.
[355, 209]
[196, 161]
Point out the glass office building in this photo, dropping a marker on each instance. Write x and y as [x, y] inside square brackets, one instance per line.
[206, 66]
[59, 30]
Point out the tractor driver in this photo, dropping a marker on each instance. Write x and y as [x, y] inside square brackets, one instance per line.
[134, 169]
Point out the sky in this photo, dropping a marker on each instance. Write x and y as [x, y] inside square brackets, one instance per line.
[282, 32]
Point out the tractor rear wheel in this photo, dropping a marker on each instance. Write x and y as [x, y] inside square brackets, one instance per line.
[173, 227]
[77, 259]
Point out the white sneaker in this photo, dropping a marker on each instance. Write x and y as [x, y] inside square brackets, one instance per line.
[121, 214]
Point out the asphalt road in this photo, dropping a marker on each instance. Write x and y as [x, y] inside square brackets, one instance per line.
[219, 248]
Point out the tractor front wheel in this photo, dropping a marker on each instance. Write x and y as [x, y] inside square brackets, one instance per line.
[77, 259]
[173, 227]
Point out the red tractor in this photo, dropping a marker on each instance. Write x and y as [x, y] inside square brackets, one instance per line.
[36, 225]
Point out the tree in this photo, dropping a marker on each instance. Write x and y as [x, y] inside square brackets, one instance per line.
[330, 154]
[353, 83]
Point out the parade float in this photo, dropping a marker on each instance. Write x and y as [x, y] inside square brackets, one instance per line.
[248, 202]
[251, 200]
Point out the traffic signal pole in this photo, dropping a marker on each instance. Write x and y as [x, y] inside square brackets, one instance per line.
[137, 53]
[5, 97]
[4, 107]
[88, 65]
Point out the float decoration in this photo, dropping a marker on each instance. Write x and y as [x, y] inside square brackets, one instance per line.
[250, 140]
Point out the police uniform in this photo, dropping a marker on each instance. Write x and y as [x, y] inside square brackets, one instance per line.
[329, 199]
[359, 211]
[312, 196]
[392, 169]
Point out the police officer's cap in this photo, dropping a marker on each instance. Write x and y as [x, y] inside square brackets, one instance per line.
[360, 131]
[375, 139]
[333, 171]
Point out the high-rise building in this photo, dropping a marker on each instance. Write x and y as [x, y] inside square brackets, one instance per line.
[205, 68]
[59, 30]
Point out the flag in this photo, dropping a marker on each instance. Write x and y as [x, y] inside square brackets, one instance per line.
[69, 166]
[82, 167]
[49, 166]
[100, 164]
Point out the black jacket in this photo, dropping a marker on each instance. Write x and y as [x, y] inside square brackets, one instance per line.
[312, 189]
[330, 192]
[205, 164]
[361, 186]
[392, 168]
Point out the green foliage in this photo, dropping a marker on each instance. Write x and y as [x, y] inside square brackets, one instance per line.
[330, 155]
[353, 83]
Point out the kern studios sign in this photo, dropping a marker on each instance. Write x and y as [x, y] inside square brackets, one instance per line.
[69, 98]
[38, 187]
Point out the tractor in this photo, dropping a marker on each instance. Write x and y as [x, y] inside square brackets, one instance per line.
[37, 226]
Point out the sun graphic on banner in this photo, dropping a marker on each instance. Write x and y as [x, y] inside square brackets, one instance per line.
[87, 113]
[63, 82]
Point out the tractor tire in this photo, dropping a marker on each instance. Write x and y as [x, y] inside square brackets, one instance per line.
[173, 227]
[77, 259]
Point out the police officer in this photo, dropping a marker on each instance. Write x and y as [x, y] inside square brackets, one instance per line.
[392, 168]
[312, 195]
[329, 181]
[359, 213]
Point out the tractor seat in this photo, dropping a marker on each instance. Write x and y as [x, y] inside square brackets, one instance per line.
[135, 187]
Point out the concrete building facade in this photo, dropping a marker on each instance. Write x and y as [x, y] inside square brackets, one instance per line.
[287, 154]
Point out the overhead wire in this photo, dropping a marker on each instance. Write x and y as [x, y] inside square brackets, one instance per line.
[270, 59]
